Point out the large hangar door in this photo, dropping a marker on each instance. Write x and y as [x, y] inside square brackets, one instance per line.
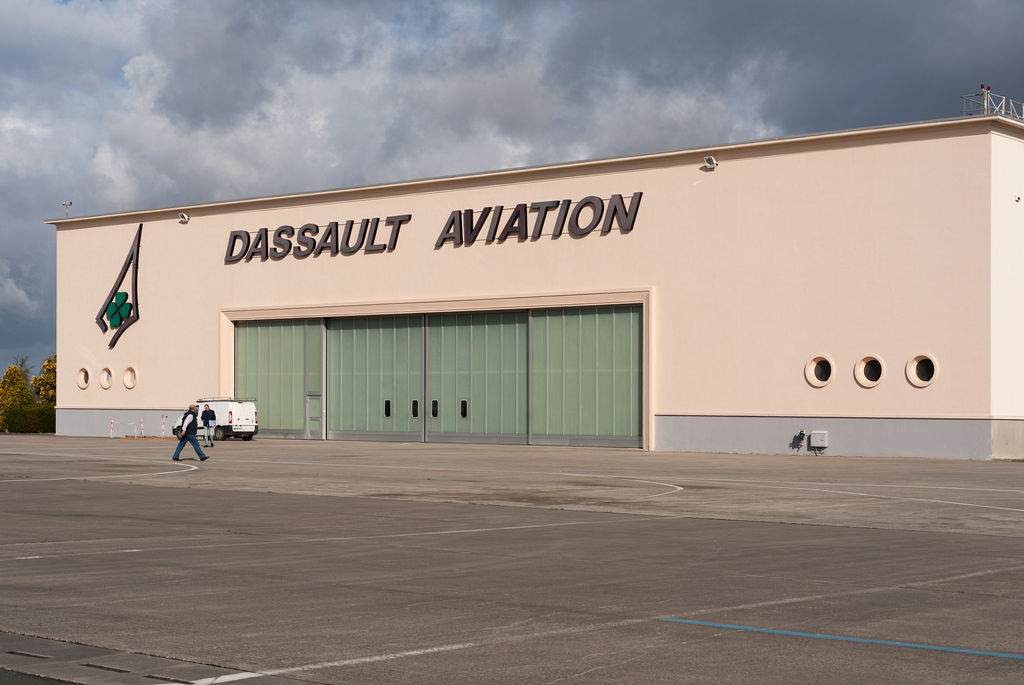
[586, 376]
[476, 377]
[570, 376]
[375, 378]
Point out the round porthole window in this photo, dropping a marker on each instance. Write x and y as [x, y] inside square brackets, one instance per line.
[130, 378]
[83, 378]
[922, 370]
[818, 372]
[106, 378]
[869, 371]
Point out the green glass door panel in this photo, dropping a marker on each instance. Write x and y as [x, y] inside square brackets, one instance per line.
[476, 375]
[272, 368]
[375, 377]
[586, 374]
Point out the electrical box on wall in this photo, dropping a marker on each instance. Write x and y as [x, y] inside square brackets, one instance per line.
[819, 440]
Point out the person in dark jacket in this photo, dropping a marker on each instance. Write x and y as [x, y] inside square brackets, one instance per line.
[209, 419]
[189, 423]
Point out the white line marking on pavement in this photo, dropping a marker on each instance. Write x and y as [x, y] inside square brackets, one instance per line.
[674, 488]
[597, 626]
[629, 518]
[683, 478]
[429, 650]
[332, 664]
[748, 481]
[77, 456]
[187, 467]
[767, 484]
[889, 497]
[245, 675]
[853, 593]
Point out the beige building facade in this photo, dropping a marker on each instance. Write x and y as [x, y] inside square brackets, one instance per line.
[850, 293]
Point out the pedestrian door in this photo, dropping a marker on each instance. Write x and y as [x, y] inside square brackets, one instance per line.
[314, 410]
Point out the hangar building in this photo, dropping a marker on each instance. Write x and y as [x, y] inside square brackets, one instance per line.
[847, 293]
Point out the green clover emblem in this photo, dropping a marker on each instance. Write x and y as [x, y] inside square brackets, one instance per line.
[118, 310]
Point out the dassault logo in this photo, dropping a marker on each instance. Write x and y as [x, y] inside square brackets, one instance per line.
[120, 308]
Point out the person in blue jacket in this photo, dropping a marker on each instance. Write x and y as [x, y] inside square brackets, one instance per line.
[209, 418]
[189, 423]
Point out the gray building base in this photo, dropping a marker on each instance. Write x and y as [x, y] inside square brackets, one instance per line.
[96, 423]
[846, 437]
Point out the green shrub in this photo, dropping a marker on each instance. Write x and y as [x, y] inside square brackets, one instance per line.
[14, 392]
[45, 383]
[32, 418]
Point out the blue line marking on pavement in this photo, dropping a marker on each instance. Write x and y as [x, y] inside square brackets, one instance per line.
[820, 636]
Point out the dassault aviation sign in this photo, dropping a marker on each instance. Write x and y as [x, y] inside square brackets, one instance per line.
[463, 228]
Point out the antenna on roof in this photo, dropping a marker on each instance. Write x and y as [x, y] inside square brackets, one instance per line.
[67, 207]
[986, 103]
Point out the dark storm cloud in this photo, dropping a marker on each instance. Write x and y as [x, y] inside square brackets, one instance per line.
[224, 59]
[27, 296]
[221, 59]
[40, 71]
[817, 65]
[121, 104]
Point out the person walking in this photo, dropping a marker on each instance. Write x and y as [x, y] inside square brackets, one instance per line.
[209, 419]
[188, 434]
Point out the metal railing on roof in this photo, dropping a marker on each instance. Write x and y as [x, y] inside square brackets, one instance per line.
[988, 103]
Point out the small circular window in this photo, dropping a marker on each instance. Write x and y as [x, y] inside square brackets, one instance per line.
[869, 372]
[106, 378]
[83, 378]
[922, 370]
[818, 371]
[130, 378]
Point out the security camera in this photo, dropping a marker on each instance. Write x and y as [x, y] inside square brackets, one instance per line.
[182, 218]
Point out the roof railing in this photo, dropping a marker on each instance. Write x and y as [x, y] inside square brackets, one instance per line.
[987, 103]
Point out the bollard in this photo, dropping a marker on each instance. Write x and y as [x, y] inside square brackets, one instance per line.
[142, 428]
[111, 428]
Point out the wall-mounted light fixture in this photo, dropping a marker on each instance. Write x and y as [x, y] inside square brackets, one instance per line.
[183, 218]
[710, 162]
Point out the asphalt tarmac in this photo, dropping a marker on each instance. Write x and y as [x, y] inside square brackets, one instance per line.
[332, 562]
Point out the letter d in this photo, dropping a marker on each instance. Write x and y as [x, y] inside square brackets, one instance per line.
[230, 256]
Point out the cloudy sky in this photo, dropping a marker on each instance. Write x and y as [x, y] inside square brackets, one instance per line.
[135, 104]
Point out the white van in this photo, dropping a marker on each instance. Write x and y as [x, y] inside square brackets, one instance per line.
[234, 418]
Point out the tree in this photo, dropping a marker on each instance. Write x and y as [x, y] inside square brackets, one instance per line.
[21, 361]
[45, 383]
[14, 392]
